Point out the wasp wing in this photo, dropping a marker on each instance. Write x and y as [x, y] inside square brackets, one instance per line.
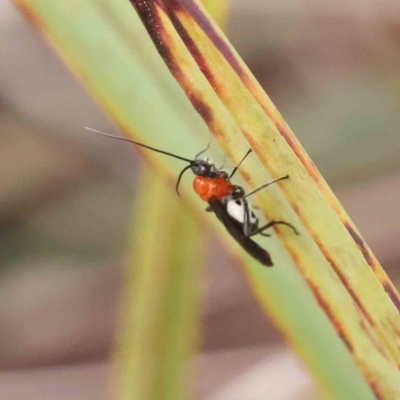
[236, 231]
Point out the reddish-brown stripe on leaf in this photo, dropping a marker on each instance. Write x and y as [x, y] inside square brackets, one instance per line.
[338, 327]
[376, 343]
[345, 283]
[374, 386]
[392, 293]
[192, 9]
[172, 7]
[360, 244]
[339, 273]
[202, 108]
[389, 289]
[330, 314]
[394, 328]
[148, 11]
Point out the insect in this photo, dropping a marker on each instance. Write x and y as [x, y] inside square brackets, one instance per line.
[226, 200]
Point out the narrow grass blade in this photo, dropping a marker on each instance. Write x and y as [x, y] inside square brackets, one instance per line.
[159, 307]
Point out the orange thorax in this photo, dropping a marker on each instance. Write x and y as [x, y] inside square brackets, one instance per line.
[207, 187]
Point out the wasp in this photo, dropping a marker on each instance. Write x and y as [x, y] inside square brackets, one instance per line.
[226, 200]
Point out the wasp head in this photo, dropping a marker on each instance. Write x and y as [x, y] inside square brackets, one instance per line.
[203, 167]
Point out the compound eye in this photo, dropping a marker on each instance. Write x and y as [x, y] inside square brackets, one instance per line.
[238, 202]
[204, 169]
[197, 169]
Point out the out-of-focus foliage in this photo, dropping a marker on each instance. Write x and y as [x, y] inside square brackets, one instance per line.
[159, 313]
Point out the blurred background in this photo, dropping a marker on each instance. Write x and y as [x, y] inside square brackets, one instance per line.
[332, 69]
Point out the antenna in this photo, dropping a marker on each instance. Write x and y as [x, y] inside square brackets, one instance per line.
[139, 144]
[240, 162]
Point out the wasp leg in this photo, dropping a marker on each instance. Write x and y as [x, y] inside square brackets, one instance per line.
[264, 234]
[265, 185]
[271, 224]
[248, 228]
